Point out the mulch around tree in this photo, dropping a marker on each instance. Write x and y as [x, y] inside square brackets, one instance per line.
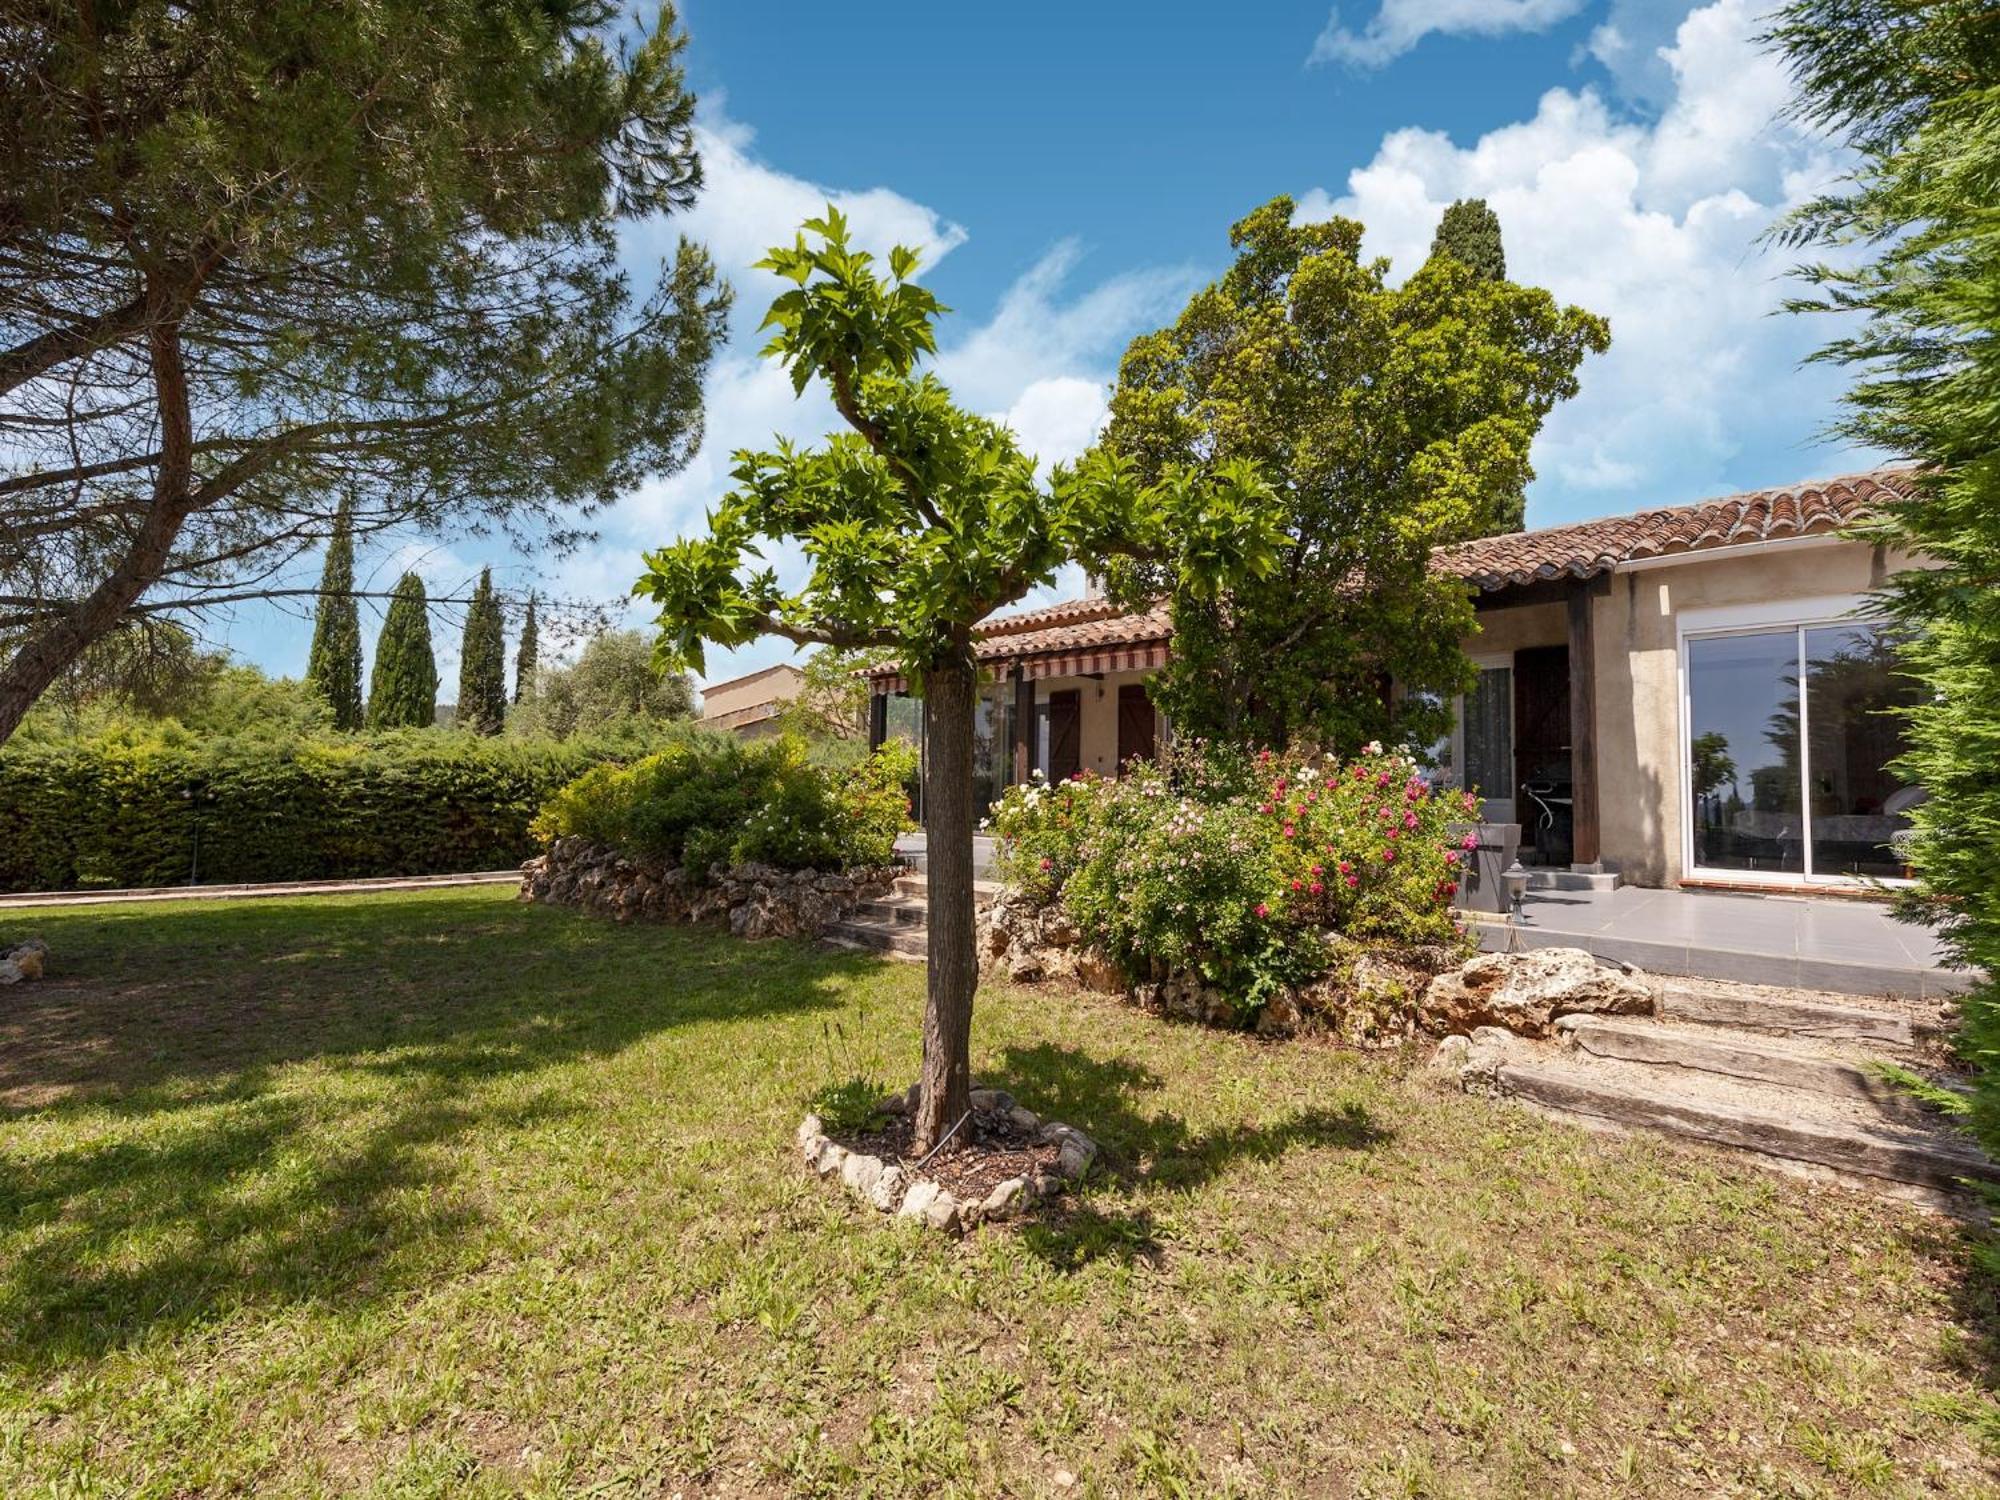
[987, 1149]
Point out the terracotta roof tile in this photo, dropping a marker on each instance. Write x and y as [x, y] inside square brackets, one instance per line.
[1073, 626]
[1581, 550]
[1587, 548]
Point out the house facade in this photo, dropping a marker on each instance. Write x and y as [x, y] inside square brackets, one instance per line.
[1699, 695]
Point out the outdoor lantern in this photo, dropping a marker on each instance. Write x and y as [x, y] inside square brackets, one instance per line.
[1514, 880]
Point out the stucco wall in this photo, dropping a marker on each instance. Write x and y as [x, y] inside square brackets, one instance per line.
[774, 686]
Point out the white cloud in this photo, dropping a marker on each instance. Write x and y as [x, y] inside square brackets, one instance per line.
[1657, 225]
[1399, 25]
[1042, 362]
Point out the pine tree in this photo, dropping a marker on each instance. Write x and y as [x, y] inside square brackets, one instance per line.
[527, 656]
[334, 668]
[482, 663]
[1914, 92]
[1469, 233]
[402, 690]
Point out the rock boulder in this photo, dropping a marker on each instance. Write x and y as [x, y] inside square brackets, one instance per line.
[1524, 993]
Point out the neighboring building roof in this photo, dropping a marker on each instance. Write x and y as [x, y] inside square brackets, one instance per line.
[783, 668]
[1587, 548]
[1071, 635]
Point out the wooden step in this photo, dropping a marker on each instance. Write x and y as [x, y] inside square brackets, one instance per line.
[1934, 1163]
[1827, 1020]
[1760, 1060]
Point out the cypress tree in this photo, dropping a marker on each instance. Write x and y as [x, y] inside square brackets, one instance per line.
[402, 691]
[1469, 233]
[482, 663]
[528, 655]
[334, 668]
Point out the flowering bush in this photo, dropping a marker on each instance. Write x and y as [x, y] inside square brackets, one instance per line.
[1241, 868]
[1041, 827]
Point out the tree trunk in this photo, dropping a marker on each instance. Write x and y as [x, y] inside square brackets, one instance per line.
[50, 650]
[953, 971]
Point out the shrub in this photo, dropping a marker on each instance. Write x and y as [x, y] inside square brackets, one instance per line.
[712, 800]
[156, 805]
[1240, 867]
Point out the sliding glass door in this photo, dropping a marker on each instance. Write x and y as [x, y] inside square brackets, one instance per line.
[1790, 733]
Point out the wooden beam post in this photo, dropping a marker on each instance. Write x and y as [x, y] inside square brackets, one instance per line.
[878, 720]
[1585, 849]
[1024, 726]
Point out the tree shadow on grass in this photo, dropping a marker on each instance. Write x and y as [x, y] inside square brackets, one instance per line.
[1150, 1149]
[200, 1178]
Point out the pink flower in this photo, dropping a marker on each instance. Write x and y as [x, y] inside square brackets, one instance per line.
[1047, 863]
[1393, 834]
[1354, 880]
[1297, 886]
[1345, 867]
[1451, 887]
[1316, 887]
[1289, 832]
[1470, 841]
[1263, 807]
[1263, 910]
[1388, 856]
[1451, 856]
[1409, 820]
[1278, 786]
[1316, 869]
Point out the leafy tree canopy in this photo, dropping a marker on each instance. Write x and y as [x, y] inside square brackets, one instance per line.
[258, 256]
[1469, 232]
[1915, 89]
[1392, 420]
[612, 686]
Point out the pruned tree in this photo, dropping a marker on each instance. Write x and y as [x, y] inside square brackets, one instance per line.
[482, 662]
[402, 688]
[334, 666]
[528, 653]
[916, 523]
[256, 257]
[1392, 420]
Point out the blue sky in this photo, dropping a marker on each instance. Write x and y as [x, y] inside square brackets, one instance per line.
[1072, 171]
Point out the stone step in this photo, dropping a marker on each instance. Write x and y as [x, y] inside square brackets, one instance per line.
[1742, 1007]
[894, 938]
[903, 911]
[1816, 1066]
[983, 891]
[1930, 1165]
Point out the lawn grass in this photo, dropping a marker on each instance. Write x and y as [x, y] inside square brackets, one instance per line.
[435, 1194]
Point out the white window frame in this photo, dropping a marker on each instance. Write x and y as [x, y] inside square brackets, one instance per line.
[1797, 616]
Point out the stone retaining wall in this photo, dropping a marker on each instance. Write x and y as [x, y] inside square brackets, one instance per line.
[756, 901]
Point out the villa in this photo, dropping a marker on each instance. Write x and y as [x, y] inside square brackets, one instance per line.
[1692, 696]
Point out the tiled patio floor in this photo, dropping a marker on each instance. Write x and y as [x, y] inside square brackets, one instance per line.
[1854, 947]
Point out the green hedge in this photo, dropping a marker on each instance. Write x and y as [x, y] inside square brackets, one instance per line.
[135, 811]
